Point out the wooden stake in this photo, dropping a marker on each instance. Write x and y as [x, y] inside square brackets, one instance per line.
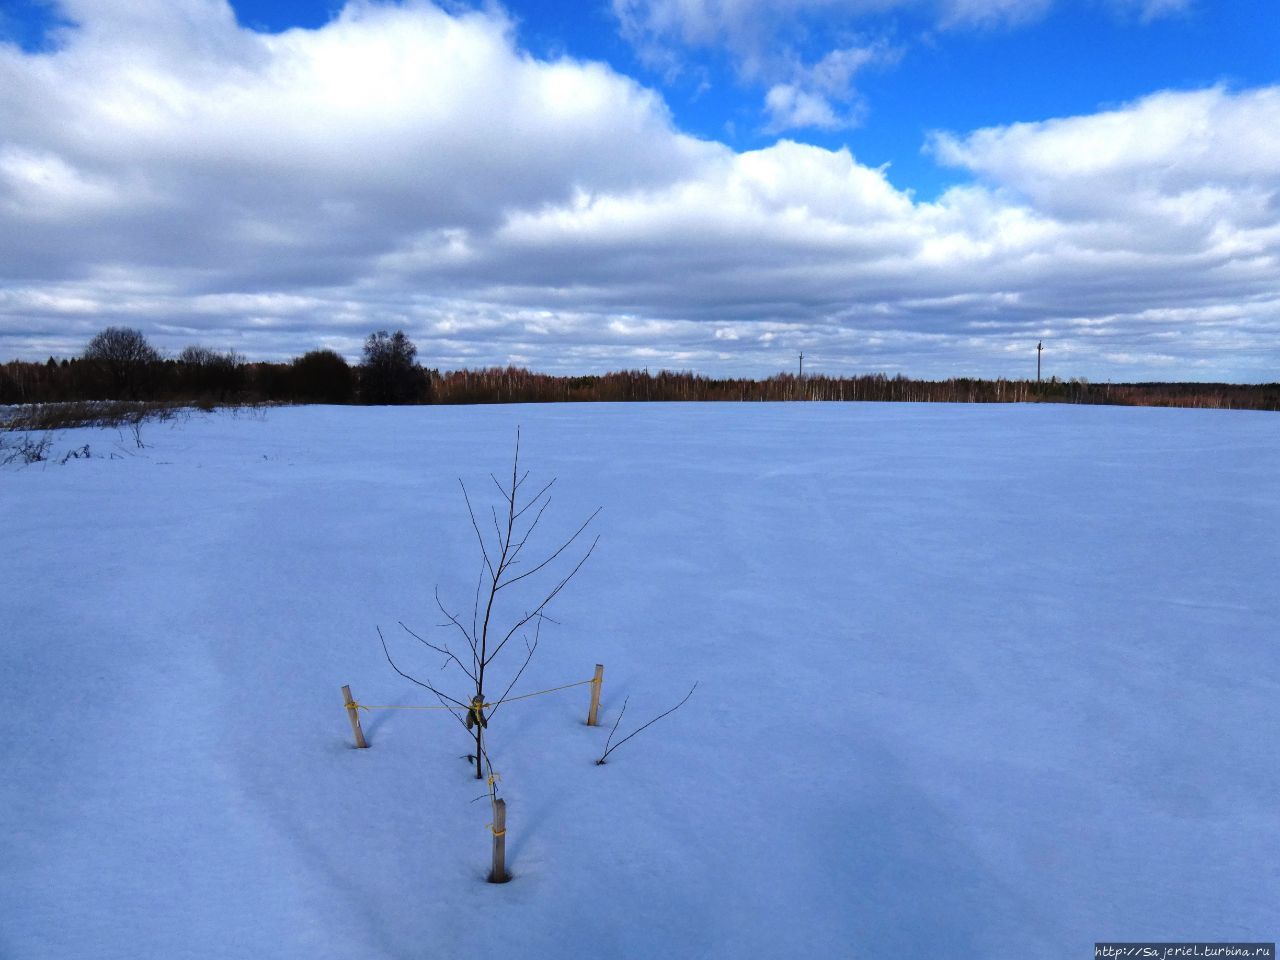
[499, 872]
[595, 695]
[354, 714]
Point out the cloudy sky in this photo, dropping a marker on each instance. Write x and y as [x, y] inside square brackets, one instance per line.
[918, 186]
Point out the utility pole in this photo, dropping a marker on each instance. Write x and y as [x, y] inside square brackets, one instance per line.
[801, 364]
[1039, 349]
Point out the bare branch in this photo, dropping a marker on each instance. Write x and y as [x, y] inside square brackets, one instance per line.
[609, 749]
[625, 701]
[427, 686]
[471, 641]
[564, 546]
[445, 650]
[537, 634]
[475, 526]
[475, 613]
[515, 465]
[540, 607]
[527, 534]
[536, 498]
[502, 545]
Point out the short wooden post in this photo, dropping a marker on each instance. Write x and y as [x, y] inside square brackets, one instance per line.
[499, 872]
[592, 714]
[354, 714]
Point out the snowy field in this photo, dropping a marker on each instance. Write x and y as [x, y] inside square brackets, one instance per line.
[976, 682]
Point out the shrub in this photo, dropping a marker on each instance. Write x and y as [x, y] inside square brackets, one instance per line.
[322, 376]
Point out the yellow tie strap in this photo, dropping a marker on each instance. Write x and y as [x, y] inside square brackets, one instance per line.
[497, 833]
[538, 693]
[470, 707]
[374, 706]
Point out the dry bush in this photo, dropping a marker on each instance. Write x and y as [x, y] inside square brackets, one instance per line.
[89, 413]
[27, 450]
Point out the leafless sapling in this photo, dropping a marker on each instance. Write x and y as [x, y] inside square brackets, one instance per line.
[610, 746]
[497, 616]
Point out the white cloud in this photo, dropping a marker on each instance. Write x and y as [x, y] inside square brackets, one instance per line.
[387, 120]
[761, 39]
[791, 108]
[834, 73]
[1155, 9]
[991, 12]
[822, 95]
[1192, 161]
[403, 166]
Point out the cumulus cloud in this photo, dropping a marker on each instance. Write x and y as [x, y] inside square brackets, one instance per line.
[316, 145]
[822, 95]
[409, 167]
[1190, 174]
[790, 108]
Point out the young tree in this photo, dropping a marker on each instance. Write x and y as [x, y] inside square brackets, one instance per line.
[495, 619]
[610, 746]
[126, 356]
[390, 371]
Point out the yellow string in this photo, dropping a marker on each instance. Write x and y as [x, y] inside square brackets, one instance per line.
[538, 693]
[370, 706]
[497, 833]
[483, 706]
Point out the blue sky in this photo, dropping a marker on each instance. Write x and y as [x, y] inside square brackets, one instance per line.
[916, 186]
[1074, 58]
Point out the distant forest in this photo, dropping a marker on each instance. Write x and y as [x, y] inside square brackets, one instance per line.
[126, 368]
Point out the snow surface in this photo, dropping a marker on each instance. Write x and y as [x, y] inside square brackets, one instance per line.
[976, 682]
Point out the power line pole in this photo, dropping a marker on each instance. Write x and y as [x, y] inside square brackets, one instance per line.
[1039, 349]
[801, 364]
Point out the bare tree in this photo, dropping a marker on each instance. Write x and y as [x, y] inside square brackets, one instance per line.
[390, 372]
[496, 620]
[125, 354]
[207, 373]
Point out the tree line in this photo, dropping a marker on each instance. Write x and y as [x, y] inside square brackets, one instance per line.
[119, 364]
